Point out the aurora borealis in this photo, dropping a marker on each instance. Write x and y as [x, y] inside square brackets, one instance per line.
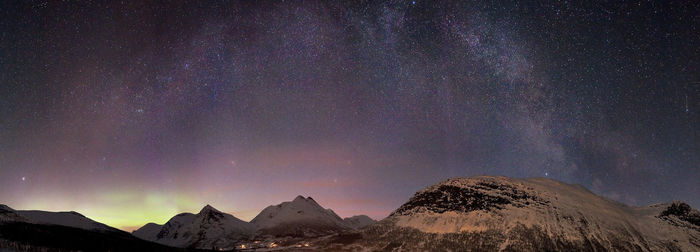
[132, 111]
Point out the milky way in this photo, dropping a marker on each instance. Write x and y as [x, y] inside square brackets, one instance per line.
[131, 112]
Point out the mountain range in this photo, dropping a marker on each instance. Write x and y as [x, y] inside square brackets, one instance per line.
[211, 228]
[484, 213]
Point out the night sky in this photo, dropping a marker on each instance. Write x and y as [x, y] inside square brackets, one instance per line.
[131, 112]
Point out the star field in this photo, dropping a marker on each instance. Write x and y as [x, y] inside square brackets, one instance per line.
[131, 112]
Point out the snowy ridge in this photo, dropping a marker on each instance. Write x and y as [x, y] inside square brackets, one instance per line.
[563, 216]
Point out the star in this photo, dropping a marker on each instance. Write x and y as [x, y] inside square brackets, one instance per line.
[24, 178]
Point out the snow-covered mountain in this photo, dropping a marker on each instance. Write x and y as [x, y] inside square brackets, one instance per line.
[499, 213]
[301, 217]
[358, 221]
[68, 219]
[207, 229]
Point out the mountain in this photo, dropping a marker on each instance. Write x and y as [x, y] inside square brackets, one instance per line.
[358, 221]
[301, 217]
[68, 219]
[506, 214]
[207, 229]
[483, 213]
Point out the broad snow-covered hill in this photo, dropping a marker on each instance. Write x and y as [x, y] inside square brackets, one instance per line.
[505, 214]
[301, 217]
[358, 221]
[207, 229]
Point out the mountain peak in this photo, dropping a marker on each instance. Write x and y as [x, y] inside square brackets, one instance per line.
[208, 208]
[308, 200]
[302, 199]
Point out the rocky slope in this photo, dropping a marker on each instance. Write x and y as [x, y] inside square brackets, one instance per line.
[505, 214]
